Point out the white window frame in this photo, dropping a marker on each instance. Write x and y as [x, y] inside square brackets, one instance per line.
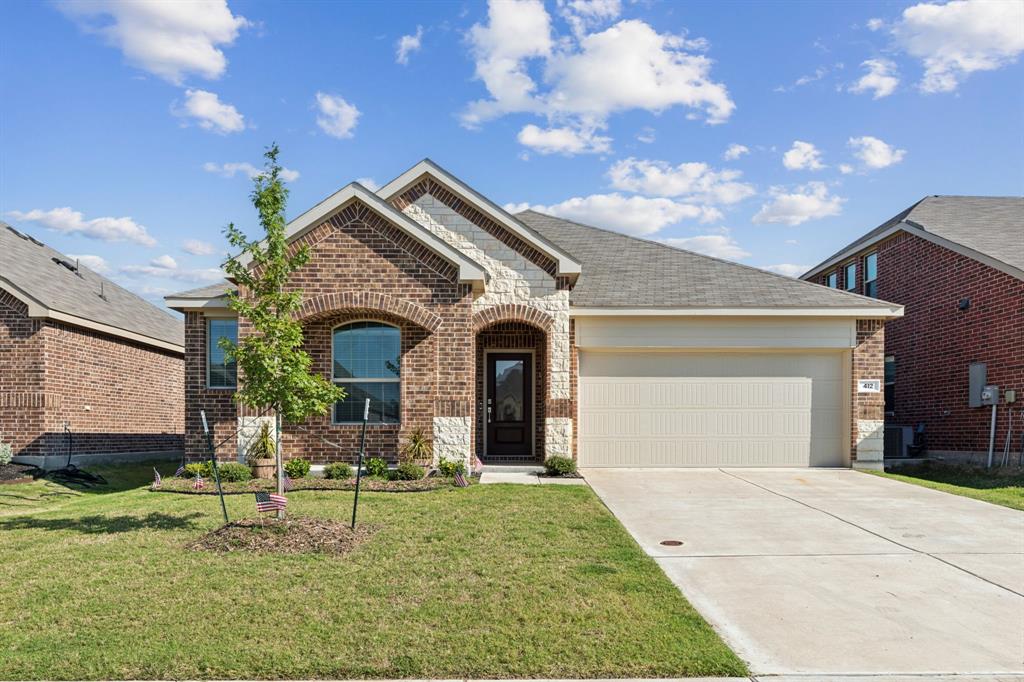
[372, 380]
[209, 346]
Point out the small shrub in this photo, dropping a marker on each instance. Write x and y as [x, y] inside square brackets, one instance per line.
[262, 447]
[6, 453]
[407, 471]
[376, 466]
[234, 472]
[296, 468]
[198, 470]
[559, 466]
[449, 467]
[417, 448]
[338, 471]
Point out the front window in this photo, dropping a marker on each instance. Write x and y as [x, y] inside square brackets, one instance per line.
[367, 358]
[850, 277]
[890, 384]
[830, 281]
[221, 372]
[870, 273]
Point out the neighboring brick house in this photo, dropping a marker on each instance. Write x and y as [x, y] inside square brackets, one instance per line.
[957, 264]
[509, 338]
[86, 367]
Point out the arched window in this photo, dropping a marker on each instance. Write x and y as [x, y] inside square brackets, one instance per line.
[367, 357]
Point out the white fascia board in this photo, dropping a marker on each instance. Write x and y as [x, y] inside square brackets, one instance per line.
[862, 313]
[913, 229]
[567, 265]
[183, 304]
[469, 271]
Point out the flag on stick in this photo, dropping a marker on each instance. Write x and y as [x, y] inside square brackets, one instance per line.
[460, 480]
[180, 471]
[157, 481]
[287, 484]
[199, 483]
[266, 502]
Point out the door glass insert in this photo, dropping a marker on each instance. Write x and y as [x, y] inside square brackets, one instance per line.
[508, 390]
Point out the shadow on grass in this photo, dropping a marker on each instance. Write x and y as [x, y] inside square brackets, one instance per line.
[97, 523]
[977, 479]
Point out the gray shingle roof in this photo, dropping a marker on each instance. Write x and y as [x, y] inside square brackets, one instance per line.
[993, 226]
[29, 266]
[624, 271]
[202, 293]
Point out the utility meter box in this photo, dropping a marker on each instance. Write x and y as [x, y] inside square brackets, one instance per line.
[990, 395]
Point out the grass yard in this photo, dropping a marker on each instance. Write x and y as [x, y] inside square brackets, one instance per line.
[1005, 488]
[488, 581]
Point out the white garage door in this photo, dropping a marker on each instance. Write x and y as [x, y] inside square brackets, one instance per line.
[672, 409]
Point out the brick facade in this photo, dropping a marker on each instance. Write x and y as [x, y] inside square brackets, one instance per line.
[935, 342]
[116, 396]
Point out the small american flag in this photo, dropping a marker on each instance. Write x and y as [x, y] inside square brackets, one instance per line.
[270, 502]
[157, 481]
[460, 480]
[478, 468]
[287, 484]
[199, 483]
[180, 471]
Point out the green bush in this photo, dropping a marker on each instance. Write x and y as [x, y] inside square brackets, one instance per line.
[296, 468]
[407, 471]
[559, 466]
[234, 472]
[375, 466]
[338, 471]
[449, 467]
[6, 453]
[262, 447]
[198, 470]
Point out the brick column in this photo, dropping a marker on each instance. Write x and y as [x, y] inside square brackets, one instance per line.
[867, 412]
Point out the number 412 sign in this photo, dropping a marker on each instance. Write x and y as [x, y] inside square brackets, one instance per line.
[869, 386]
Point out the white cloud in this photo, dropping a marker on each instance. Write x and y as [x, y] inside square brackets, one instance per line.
[818, 74]
[369, 183]
[197, 247]
[875, 24]
[582, 15]
[167, 268]
[875, 153]
[588, 77]
[881, 79]
[229, 170]
[94, 263]
[735, 151]
[716, 245]
[408, 44]
[807, 202]
[957, 38]
[210, 113]
[633, 215]
[168, 39]
[565, 140]
[697, 181]
[845, 168]
[337, 117]
[646, 135]
[787, 269]
[802, 156]
[106, 229]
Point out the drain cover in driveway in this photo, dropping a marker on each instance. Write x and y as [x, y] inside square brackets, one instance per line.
[671, 543]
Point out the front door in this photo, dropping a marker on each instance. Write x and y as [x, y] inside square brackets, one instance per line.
[509, 405]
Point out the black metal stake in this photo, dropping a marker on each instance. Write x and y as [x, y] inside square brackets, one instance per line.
[213, 459]
[359, 468]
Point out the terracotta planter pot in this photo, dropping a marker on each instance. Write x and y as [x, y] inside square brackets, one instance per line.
[263, 468]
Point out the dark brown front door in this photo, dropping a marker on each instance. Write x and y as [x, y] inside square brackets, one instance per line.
[509, 405]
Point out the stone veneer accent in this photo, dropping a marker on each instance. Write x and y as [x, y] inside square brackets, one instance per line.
[453, 439]
[558, 437]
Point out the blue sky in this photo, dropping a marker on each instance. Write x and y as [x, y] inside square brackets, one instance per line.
[125, 127]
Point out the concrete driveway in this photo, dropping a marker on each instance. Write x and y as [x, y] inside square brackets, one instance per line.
[834, 571]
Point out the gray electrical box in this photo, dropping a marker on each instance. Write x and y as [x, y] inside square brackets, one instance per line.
[978, 376]
[990, 395]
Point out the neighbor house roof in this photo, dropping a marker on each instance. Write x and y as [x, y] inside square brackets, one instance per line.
[211, 296]
[53, 286]
[620, 271]
[989, 229]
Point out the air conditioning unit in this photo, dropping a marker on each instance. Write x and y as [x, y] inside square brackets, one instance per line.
[897, 438]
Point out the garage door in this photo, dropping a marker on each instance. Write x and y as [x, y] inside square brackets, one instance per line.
[672, 409]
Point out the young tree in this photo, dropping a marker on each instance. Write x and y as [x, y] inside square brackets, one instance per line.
[274, 369]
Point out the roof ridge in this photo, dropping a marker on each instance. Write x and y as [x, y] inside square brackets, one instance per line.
[702, 255]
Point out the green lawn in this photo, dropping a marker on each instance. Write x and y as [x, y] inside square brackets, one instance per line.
[1004, 488]
[489, 581]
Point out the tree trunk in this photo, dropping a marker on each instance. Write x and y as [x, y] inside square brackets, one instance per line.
[280, 463]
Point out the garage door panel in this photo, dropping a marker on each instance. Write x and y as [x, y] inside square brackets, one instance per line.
[711, 409]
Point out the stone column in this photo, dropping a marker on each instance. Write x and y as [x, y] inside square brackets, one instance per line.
[868, 409]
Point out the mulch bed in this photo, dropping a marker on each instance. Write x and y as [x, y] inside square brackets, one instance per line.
[301, 535]
[184, 485]
[18, 473]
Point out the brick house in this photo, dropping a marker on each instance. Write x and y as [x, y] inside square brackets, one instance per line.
[509, 338]
[80, 352]
[957, 264]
